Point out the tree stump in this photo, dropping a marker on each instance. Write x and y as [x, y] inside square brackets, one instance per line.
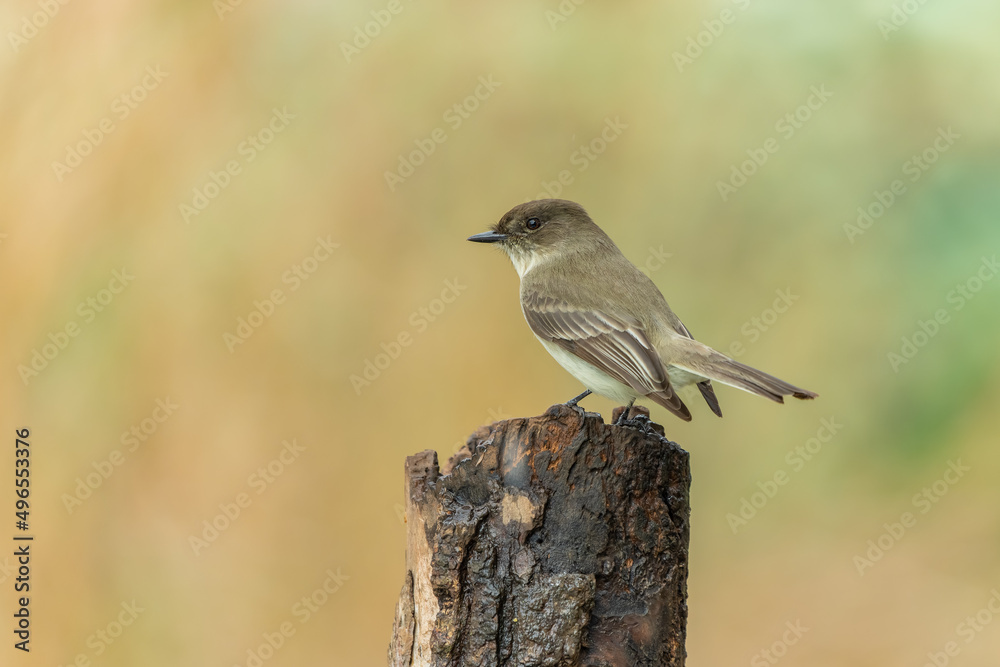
[557, 540]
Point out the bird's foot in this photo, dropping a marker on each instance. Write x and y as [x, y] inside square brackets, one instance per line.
[638, 419]
[623, 417]
[572, 402]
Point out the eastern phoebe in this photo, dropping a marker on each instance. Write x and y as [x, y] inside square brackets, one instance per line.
[605, 321]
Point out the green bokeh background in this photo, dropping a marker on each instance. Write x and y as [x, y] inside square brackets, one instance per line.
[654, 190]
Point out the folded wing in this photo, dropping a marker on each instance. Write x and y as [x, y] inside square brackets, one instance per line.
[615, 344]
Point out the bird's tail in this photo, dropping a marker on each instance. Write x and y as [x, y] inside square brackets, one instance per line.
[702, 360]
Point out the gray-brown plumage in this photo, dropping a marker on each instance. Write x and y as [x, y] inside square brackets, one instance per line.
[604, 320]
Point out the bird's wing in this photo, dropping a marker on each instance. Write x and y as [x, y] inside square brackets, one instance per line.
[615, 344]
[705, 386]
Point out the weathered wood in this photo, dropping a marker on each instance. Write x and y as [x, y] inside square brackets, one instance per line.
[557, 540]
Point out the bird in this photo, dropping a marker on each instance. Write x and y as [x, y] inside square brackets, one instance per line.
[605, 321]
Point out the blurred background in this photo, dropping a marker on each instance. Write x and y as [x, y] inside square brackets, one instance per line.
[237, 294]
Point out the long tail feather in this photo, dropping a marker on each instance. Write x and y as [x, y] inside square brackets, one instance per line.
[702, 360]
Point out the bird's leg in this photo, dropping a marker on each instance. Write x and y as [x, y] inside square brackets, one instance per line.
[572, 403]
[623, 417]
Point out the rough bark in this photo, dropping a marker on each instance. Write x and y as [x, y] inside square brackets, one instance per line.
[557, 540]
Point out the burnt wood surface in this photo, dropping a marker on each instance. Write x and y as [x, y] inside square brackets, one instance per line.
[555, 540]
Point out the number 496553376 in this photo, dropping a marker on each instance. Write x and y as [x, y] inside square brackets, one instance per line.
[22, 465]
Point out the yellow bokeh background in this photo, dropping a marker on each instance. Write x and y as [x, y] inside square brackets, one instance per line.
[691, 88]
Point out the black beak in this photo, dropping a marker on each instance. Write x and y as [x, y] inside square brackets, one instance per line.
[488, 237]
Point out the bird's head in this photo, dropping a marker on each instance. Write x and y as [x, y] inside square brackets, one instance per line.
[534, 230]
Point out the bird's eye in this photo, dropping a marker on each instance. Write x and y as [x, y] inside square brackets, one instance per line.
[533, 224]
